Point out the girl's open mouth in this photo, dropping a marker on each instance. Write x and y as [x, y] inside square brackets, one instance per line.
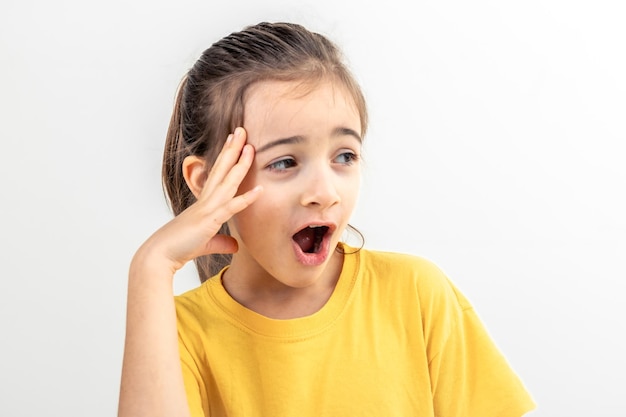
[312, 244]
[310, 238]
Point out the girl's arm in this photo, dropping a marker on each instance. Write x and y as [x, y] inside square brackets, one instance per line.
[152, 382]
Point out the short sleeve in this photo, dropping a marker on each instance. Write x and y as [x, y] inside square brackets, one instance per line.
[469, 375]
[192, 384]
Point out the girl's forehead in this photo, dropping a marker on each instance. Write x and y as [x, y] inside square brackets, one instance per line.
[271, 96]
[288, 108]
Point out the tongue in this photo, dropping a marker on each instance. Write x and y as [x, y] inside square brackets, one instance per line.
[305, 238]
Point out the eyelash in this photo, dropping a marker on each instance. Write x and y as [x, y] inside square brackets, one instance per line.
[350, 157]
[274, 165]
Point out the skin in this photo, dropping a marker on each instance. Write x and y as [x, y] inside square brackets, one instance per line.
[265, 199]
[152, 383]
[313, 179]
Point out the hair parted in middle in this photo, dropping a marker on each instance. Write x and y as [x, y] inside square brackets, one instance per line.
[210, 99]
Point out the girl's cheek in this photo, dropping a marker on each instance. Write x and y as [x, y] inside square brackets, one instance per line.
[249, 181]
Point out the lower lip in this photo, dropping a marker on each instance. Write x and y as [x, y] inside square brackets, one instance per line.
[313, 259]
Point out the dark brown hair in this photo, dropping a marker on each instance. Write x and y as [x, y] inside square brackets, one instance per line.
[210, 100]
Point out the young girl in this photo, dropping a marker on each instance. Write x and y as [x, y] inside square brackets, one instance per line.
[262, 170]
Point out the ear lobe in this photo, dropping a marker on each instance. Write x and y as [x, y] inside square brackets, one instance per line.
[195, 172]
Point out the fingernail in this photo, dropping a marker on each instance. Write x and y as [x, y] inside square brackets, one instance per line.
[238, 132]
[229, 138]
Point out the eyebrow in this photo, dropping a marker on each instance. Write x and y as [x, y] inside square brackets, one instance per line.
[339, 131]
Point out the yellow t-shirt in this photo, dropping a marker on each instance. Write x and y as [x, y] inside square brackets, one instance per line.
[396, 338]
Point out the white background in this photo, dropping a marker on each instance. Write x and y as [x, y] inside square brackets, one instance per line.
[495, 149]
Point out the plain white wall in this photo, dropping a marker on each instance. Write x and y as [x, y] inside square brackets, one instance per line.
[495, 149]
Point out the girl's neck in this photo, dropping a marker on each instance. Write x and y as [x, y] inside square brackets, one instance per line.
[273, 299]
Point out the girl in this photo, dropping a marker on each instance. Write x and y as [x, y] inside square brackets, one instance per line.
[261, 168]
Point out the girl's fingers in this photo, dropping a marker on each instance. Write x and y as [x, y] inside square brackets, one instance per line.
[195, 232]
[233, 153]
[217, 213]
[234, 163]
[238, 172]
[242, 201]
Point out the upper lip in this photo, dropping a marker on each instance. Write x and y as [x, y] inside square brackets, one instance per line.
[331, 226]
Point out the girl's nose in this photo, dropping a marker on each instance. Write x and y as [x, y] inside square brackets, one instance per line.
[320, 189]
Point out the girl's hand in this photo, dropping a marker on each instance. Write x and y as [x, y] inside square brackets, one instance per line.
[194, 232]
[152, 377]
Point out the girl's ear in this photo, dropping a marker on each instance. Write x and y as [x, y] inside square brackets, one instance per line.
[195, 173]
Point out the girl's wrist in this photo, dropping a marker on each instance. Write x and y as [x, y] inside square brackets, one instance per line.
[151, 264]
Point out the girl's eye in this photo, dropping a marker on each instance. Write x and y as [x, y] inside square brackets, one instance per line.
[282, 164]
[347, 158]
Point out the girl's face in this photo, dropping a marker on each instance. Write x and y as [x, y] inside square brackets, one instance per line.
[308, 144]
